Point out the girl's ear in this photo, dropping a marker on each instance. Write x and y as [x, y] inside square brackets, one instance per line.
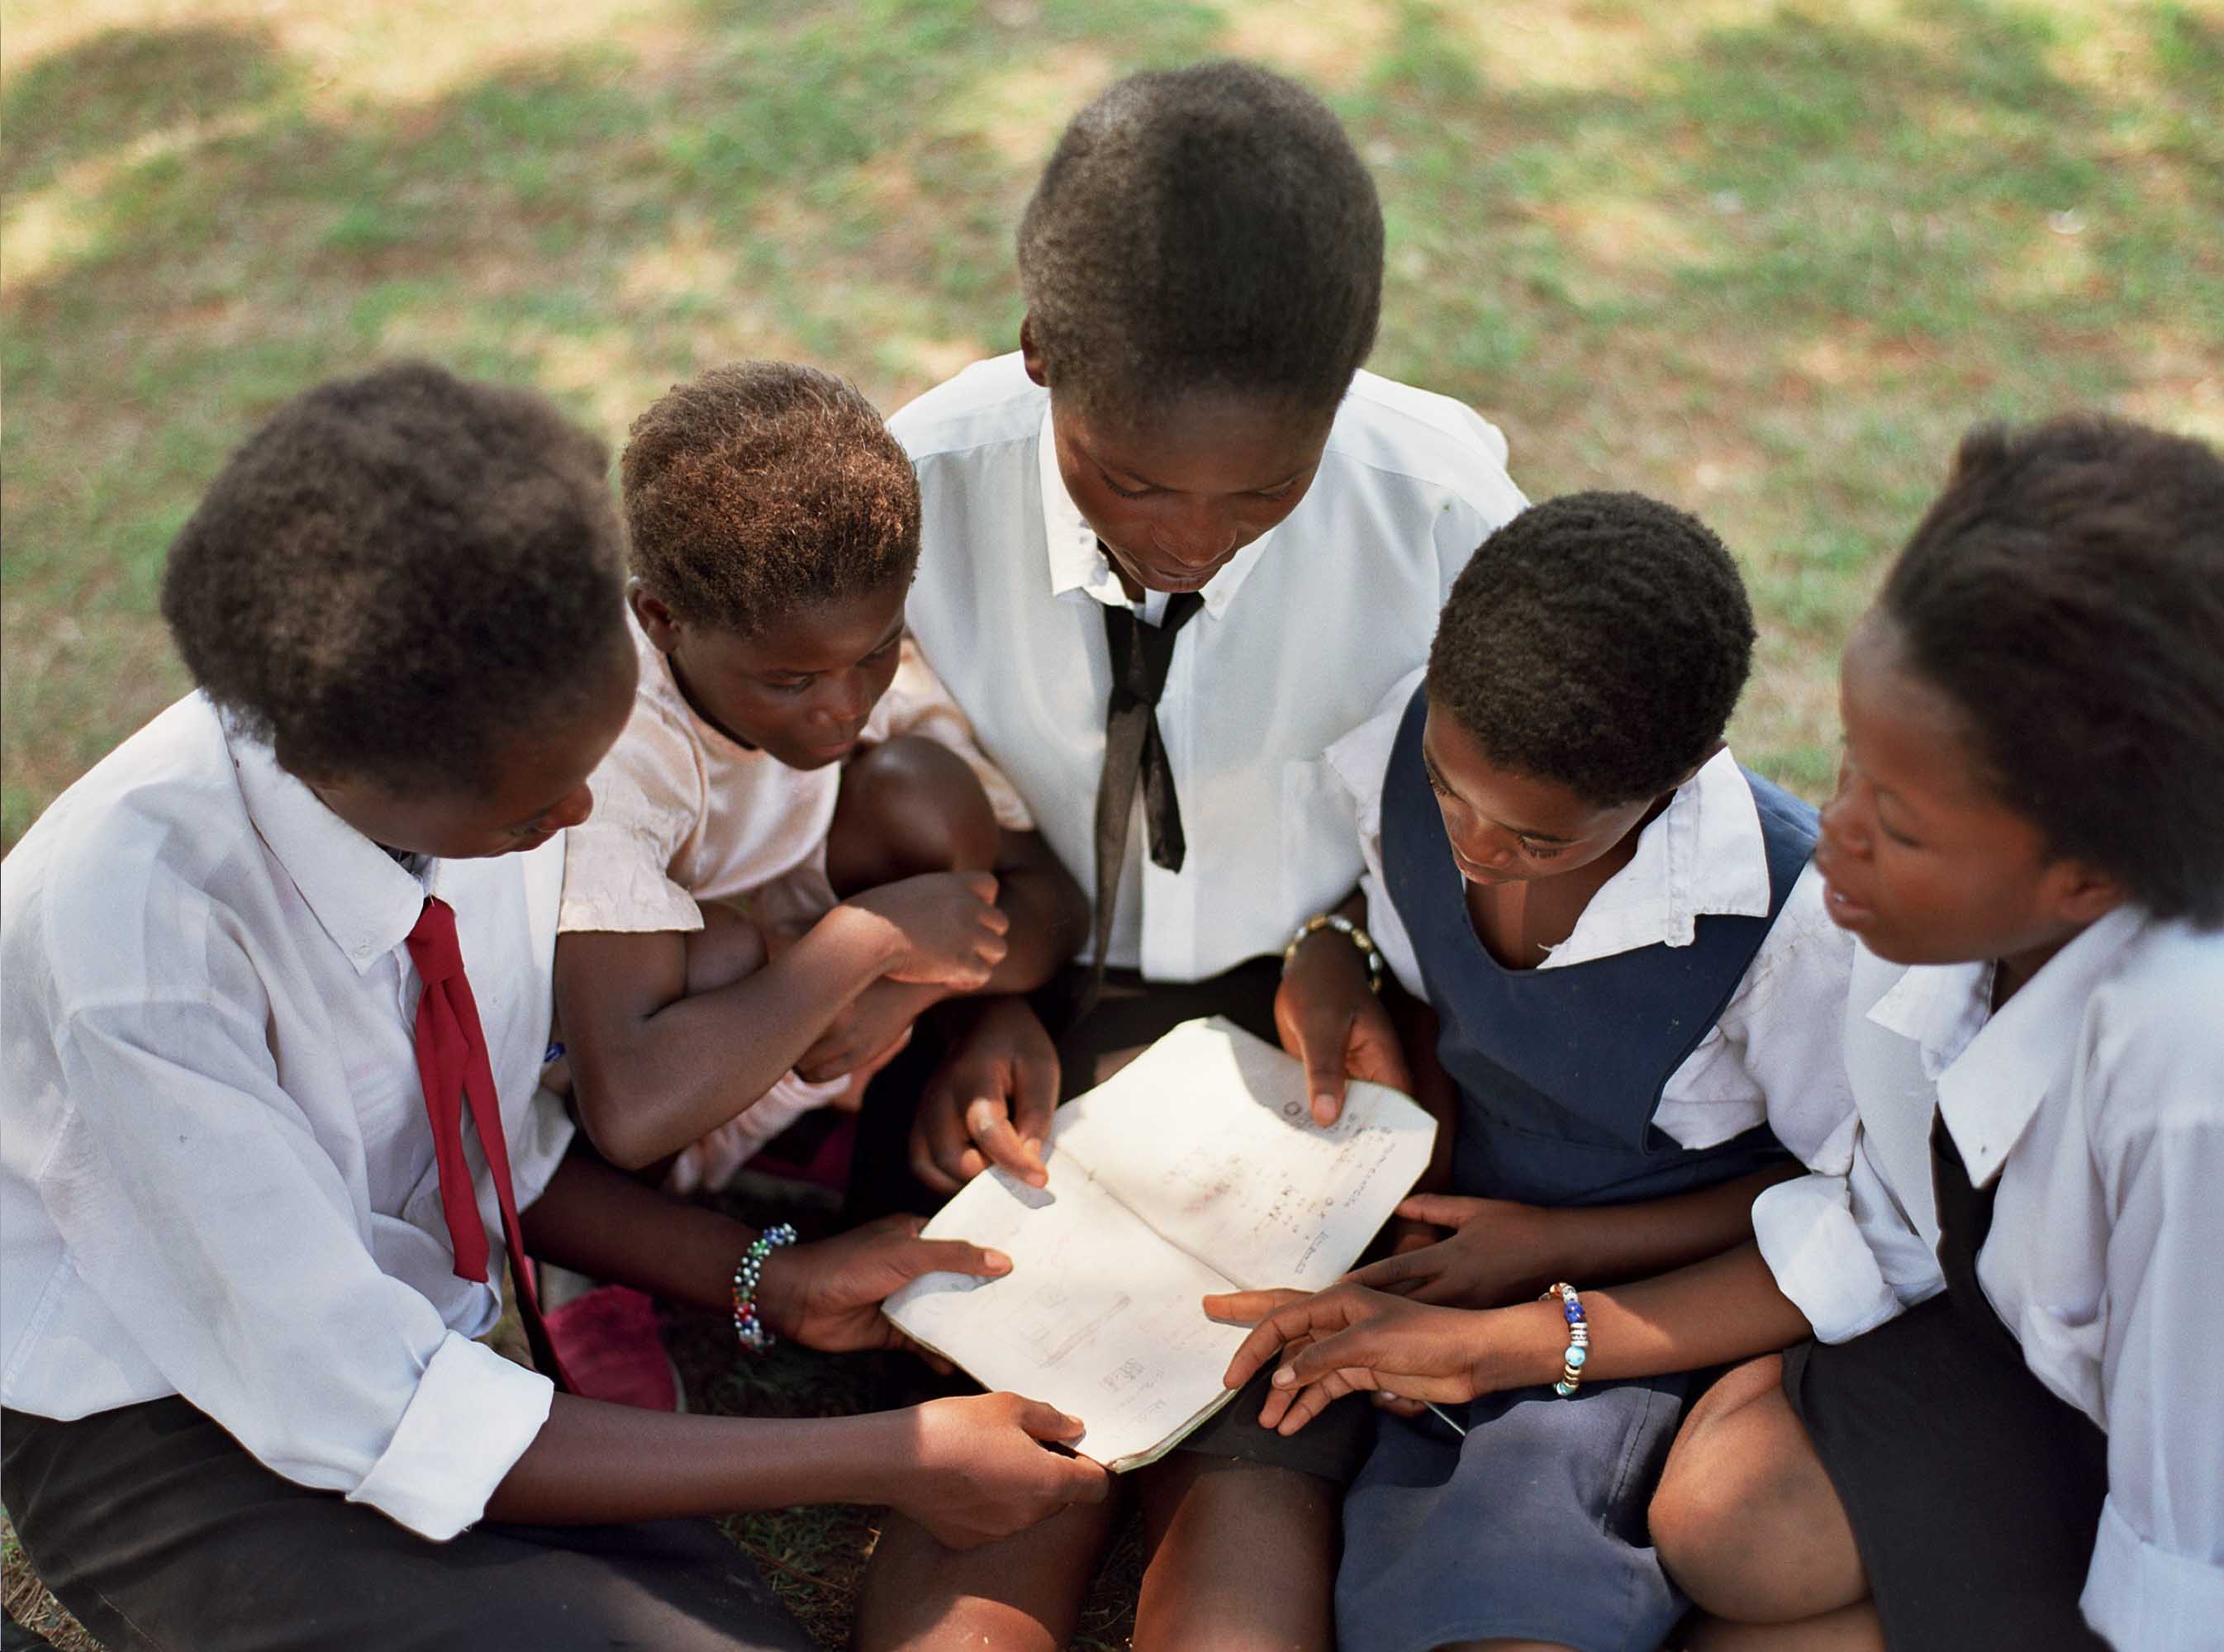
[655, 618]
[1031, 355]
[2078, 894]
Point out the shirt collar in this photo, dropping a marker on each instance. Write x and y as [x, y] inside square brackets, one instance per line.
[1704, 854]
[365, 900]
[1078, 563]
[1989, 1094]
[1938, 1008]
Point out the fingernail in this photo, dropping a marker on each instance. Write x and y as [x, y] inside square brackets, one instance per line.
[999, 1262]
[1285, 1377]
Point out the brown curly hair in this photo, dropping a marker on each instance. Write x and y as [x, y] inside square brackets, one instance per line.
[764, 488]
[398, 574]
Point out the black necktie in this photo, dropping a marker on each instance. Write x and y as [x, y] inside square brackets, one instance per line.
[1133, 751]
[1965, 1217]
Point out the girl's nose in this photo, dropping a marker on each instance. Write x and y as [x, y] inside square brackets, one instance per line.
[573, 810]
[849, 698]
[1846, 832]
[1199, 535]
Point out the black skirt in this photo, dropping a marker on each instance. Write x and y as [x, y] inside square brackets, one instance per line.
[1973, 1490]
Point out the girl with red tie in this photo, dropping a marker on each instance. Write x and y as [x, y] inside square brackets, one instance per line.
[276, 993]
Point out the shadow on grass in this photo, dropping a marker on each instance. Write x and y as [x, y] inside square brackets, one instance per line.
[123, 85]
[1769, 272]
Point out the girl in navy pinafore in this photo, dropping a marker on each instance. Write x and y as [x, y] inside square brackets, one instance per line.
[1532, 1525]
[1661, 1017]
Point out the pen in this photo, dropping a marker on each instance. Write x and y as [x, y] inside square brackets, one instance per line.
[1444, 1417]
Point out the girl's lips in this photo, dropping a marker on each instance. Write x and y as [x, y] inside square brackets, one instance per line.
[1844, 910]
[829, 749]
[1162, 579]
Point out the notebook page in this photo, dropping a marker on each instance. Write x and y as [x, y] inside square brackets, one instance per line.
[1099, 1316]
[1208, 1136]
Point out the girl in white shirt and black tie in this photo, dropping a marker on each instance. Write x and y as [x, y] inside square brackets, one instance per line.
[1173, 549]
[2003, 1435]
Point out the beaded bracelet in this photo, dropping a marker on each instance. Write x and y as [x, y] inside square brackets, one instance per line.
[1579, 1338]
[749, 1324]
[1351, 932]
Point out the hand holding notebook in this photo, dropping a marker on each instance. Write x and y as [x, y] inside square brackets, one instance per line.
[1194, 1170]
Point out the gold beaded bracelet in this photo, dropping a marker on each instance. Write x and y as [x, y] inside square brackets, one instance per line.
[1352, 931]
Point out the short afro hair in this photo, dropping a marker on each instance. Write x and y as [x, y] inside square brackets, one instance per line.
[2066, 592]
[1209, 227]
[764, 489]
[397, 575]
[1598, 640]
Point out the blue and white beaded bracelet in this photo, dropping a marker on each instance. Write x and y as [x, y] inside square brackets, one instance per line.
[1579, 1338]
[749, 1324]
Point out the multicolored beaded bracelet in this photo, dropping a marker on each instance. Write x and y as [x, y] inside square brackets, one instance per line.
[749, 1324]
[1579, 1338]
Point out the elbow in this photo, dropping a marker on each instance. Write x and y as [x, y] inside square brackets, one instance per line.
[625, 1152]
[617, 1134]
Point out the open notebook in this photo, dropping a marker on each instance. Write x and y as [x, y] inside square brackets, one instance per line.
[1197, 1168]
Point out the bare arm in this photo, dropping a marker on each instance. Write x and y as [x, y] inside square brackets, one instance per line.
[593, 1462]
[972, 1468]
[1329, 1019]
[1726, 1307]
[1048, 921]
[653, 1069]
[1501, 1252]
[1348, 1338]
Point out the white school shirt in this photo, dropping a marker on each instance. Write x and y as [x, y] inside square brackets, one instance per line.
[1297, 639]
[2095, 1098]
[1773, 1057]
[216, 1176]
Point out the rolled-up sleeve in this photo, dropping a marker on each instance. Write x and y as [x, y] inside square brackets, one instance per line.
[2156, 1581]
[1809, 1238]
[473, 1415]
[196, 1201]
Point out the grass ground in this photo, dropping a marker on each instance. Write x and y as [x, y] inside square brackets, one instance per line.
[1765, 258]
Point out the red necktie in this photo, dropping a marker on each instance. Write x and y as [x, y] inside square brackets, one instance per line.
[451, 1059]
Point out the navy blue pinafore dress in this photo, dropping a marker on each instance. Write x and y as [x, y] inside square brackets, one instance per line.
[1533, 1526]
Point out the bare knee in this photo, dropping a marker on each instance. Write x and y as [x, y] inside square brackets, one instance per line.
[908, 806]
[1745, 1519]
[1242, 1557]
[1022, 1593]
[1702, 1510]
